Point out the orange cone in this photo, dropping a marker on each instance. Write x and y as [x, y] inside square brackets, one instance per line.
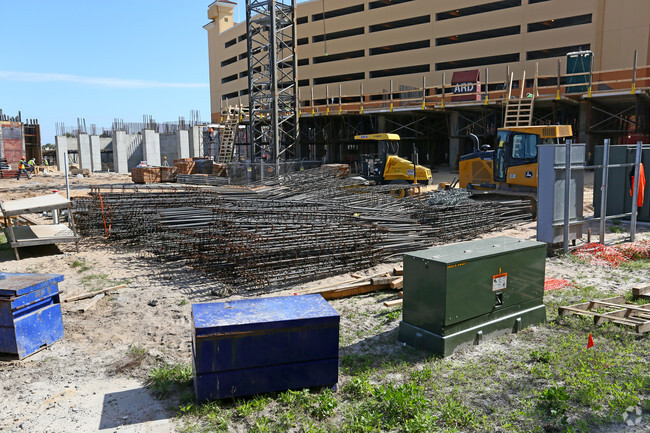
[590, 341]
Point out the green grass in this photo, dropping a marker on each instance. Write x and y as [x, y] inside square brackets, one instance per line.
[80, 265]
[167, 378]
[541, 379]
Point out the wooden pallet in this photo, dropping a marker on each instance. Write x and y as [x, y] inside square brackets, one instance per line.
[615, 310]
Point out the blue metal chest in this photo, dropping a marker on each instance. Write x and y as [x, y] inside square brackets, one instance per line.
[30, 312]
[255, 346]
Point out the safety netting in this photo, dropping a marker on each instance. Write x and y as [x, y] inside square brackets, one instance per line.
[614, 255]
[556, 284]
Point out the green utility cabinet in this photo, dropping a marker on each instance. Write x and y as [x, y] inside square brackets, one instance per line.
[456, 295]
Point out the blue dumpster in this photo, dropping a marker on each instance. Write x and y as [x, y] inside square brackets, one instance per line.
[30, 312]
[255, 346]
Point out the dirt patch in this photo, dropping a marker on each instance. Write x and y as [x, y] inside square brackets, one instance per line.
[95, 378]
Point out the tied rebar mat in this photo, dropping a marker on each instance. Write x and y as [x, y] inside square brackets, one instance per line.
[303, 226]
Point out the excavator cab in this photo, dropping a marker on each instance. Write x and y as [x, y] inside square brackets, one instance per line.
[512, 164]
[386, 167]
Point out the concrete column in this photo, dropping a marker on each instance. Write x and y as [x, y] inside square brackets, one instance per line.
[61, 142]
[151, 147]
[584, 120]
[183, 144]
[83, 144]
[120, 152]
[454, 141]
[95, 153]
[196, 134]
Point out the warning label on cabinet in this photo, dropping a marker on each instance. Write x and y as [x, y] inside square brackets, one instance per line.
[499, 282]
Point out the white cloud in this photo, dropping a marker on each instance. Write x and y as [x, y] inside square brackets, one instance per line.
[121, 83]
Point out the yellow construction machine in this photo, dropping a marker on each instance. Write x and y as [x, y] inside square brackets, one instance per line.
[511, 165]
[388, 168]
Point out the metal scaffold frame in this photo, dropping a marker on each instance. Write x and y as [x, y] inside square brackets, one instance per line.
[272, 85]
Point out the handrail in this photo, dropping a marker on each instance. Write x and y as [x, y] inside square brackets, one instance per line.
[437, 96]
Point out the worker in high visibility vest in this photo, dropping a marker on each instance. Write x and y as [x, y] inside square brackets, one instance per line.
[22, 168]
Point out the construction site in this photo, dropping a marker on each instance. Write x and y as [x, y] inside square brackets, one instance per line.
[449, 250]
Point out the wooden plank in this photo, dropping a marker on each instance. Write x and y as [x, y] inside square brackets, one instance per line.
[92, 294]
[398, 271]
[394, 303]
[627, 306]
[641, 292]
[327, 286]
[90, 304]
[360, 290]
[397, 283]
[382, 280]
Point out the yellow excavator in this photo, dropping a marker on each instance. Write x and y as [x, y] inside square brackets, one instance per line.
[388, 168]
[511, 165]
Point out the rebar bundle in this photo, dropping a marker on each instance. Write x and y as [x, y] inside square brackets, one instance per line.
[302, 226]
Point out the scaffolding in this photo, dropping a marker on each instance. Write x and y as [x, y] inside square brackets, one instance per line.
[272, 84]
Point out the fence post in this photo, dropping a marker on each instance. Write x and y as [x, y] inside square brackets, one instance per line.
[487, 86]
[633, 90]
[603, 192]
[424, 92]
[635, 187]
[443, 91]
[567, 195]
[361, 99]
[591, 76]
[559, 80]
[327, 100]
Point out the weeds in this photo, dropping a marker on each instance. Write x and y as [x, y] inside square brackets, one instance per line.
[455, 414]
[80, 265]
[163, 380]
[555, 400]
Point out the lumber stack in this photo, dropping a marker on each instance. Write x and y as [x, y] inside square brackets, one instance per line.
[186, 166]
[146, 175]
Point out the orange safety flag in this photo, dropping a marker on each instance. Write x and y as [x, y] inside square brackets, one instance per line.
[590, 341]
[639, 200]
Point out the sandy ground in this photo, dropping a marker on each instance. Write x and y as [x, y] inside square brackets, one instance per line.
[89, 381]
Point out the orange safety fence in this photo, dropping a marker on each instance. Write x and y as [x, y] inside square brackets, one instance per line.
[556, 284]
[614, 255]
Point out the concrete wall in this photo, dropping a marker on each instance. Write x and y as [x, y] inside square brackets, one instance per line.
[168, 148]
[196, 134]
[61, 151]
[151, 147]
[95, 153]
[85, 157]
[127, 151]
[120, 156]
[183, 144]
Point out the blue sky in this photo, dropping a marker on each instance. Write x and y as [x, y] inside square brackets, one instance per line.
[100, 60]
[64, 59]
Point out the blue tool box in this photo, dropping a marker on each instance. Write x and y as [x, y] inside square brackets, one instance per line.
[30, 312]
[255, 346]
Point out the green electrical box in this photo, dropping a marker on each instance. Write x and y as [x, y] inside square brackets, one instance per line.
[456, 295]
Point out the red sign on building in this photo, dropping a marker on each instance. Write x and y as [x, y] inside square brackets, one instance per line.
[466, 86]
